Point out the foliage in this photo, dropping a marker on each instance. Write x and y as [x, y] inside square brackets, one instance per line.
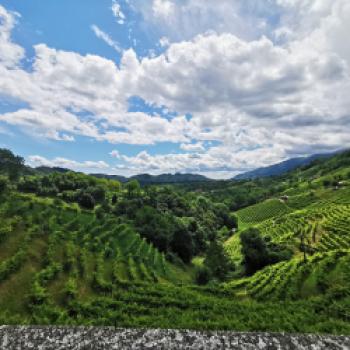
[217, 261]
[258, 253]
[3, 184]
[10, 164]
[126, 260]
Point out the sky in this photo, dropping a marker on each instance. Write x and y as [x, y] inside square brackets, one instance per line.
[163, 86]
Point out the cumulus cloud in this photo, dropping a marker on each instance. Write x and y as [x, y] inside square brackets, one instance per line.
[10, 53]
[192, 147]
[163, 8]
[85, 166]
[262, 98]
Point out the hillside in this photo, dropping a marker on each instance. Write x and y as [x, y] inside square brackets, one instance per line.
[147, 179]
[282, 167]
[313, 221]
[76, 249]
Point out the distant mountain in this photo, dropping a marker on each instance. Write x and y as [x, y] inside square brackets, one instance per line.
[146, 179]
[169, 178]
[111, 177]
[281, 168]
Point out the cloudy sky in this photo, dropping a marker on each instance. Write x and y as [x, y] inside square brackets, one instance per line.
[211, 87]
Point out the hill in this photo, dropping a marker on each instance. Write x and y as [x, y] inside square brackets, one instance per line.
[312, 220]
[147, 179]
[282, 167]
[81, 250]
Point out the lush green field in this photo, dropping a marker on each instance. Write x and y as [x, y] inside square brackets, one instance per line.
[63, 263]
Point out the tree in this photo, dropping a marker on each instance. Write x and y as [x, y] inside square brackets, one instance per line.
[202, 275]
[86, 201]
[10, 164]
[254, 251]
[156, 228]
[98, 193]
[259, 252]
[182, 243]
[133, 188]
[3, 184]
[232, 221]
[217, 261]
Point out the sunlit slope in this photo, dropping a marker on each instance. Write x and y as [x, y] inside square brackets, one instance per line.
[49, 254]
[321, 274]
[262, 211]
[321, 221]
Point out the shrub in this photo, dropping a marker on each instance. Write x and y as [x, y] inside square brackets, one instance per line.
[86, 201]
[202, 275]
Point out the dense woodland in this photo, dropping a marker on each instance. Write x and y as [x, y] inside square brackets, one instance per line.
[206, 254]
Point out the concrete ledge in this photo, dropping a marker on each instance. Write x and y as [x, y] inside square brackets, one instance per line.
[96, 338]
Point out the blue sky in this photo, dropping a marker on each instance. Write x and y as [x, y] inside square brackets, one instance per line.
[132, 86]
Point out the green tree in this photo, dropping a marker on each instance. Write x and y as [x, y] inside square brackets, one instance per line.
[202, 275]
[86, 201]
[10, 164]
[133, 188]
[182, 243]
[259, 252]
[254, 250]
[3, 184]
[217, 261]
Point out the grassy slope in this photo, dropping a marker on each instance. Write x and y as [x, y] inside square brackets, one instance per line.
[65, 278]
[59, 265]
[323, 216]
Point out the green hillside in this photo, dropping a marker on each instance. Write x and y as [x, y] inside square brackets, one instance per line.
[77, 250]
[314, 224]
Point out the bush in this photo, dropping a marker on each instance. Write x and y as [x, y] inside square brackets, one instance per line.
[86, 201]
[3, 184]
[202, 275]
[259, 253]
[217, 261]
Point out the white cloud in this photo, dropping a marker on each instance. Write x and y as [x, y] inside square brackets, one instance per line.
[117, 12]
[164, 41]
[192, 147]
[106, 38]
[183, 19]
[262, 101]
[163, 8]
[115, 154]
[85, 166]
[10, 53]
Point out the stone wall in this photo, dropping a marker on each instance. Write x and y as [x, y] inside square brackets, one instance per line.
[109, 338]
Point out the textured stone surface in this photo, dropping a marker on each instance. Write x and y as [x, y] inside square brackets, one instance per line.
[110, 338]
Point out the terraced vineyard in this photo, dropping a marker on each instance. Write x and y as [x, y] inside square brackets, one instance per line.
[324, 225]
[297, 279]
[62, 264]
[262, 211]
[71, 255]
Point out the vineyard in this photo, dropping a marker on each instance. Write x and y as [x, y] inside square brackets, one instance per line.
[262, 211]
[63, 263]
[71, 255]
[323, 223]
[299, 279]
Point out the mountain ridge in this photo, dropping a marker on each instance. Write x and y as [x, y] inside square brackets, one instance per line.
[283, 167]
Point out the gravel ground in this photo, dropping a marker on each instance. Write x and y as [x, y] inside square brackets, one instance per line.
[96, 338]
